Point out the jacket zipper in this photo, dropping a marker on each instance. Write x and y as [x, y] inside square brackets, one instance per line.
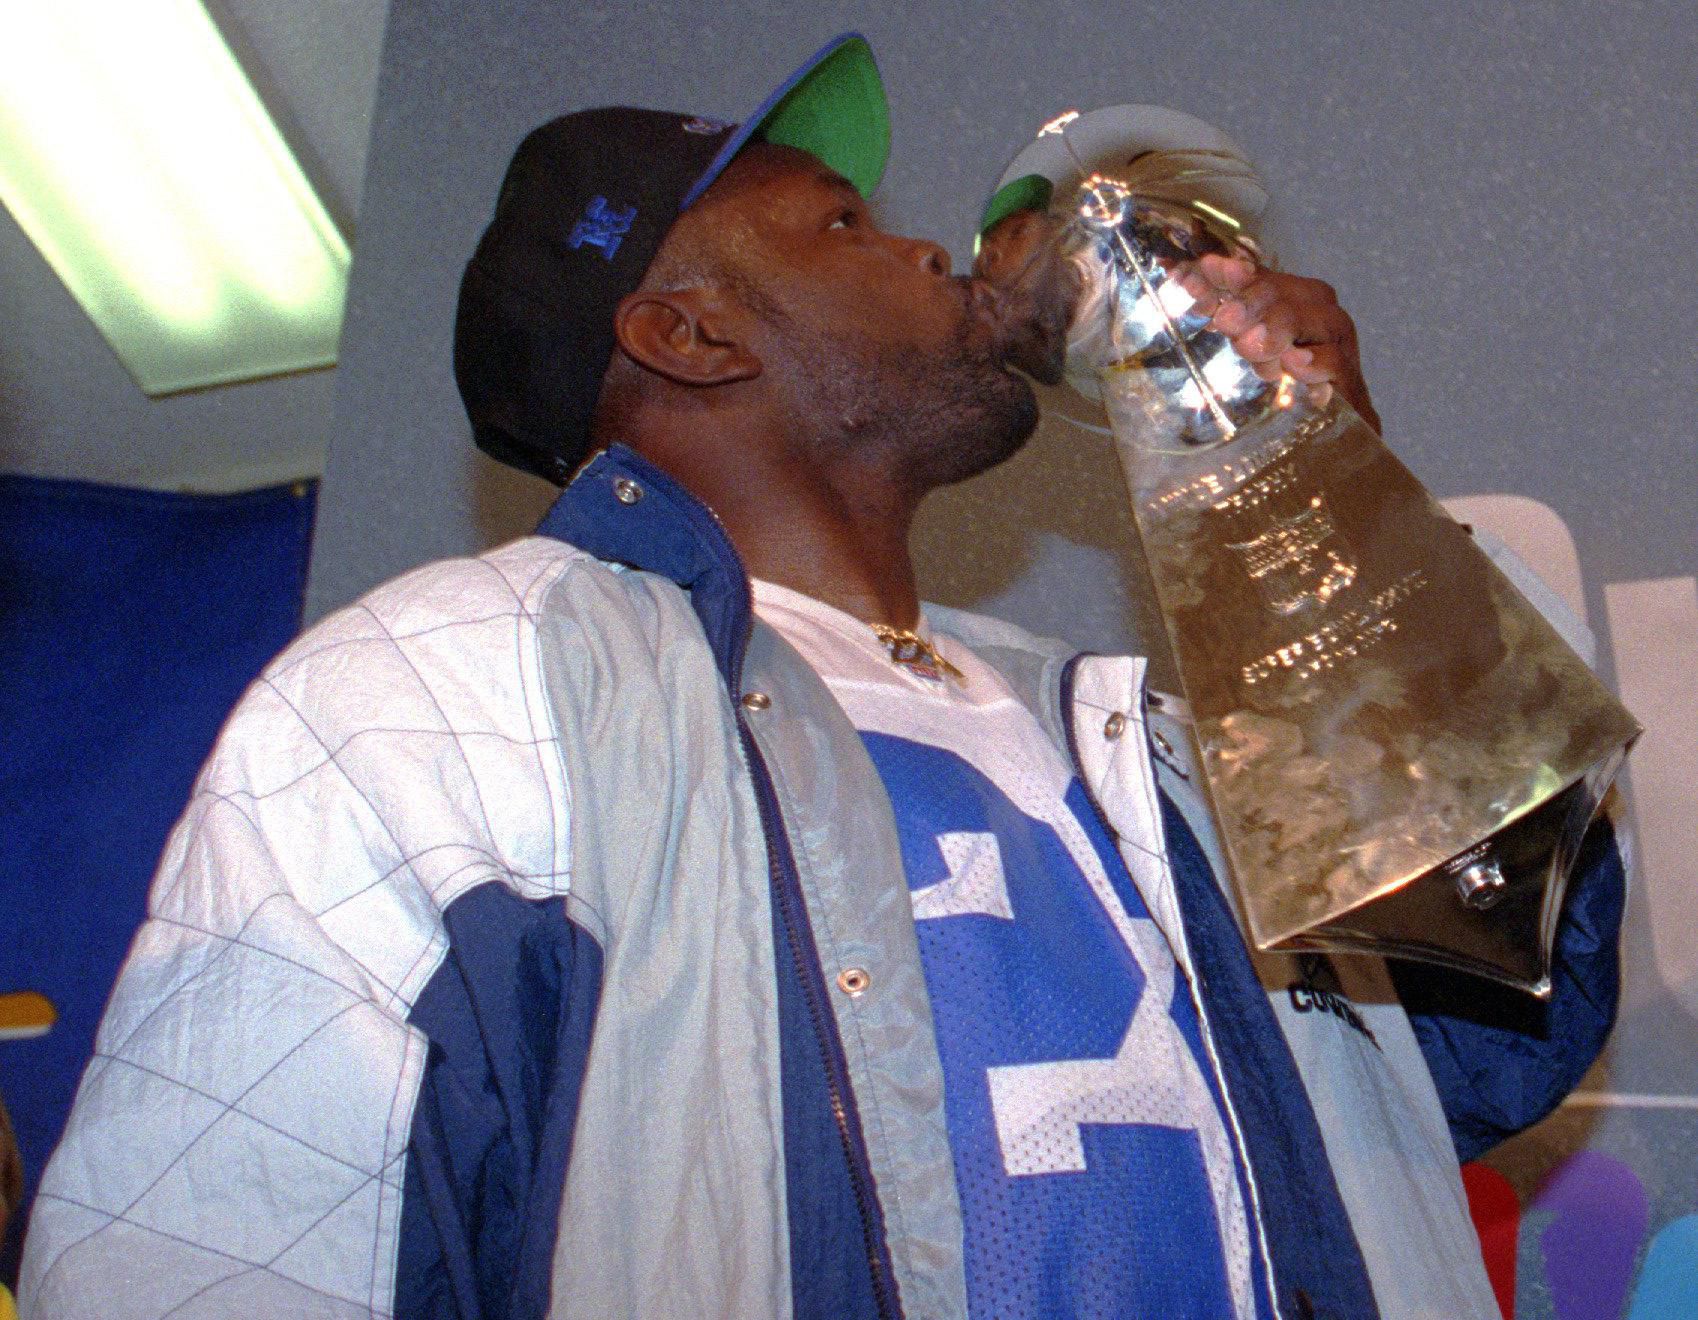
[787, 890]
[1069, 729]
[806, 975]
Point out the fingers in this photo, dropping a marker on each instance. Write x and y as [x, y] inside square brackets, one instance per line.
[1313, 363]
[1283, 325]
[1275, 312]
[1271, 318]
[1315, 368]
[1230, 274]
[1213, 281]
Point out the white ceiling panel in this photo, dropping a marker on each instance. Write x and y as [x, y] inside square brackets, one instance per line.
[68, 409]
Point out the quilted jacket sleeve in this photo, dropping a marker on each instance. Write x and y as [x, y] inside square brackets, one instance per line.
[238, 1142]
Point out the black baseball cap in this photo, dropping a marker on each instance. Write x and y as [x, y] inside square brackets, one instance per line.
[584, 207]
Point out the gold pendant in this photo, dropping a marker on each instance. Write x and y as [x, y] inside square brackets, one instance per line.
[910, 650]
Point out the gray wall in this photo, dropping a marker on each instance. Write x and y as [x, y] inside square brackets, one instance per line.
[1502, 194]
[1503, 202]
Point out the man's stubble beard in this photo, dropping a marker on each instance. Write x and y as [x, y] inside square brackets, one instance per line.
[922, 421]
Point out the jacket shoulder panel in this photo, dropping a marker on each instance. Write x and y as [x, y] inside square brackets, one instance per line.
[240, 1130]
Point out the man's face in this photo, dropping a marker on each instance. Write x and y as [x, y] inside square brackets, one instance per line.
[886, 357]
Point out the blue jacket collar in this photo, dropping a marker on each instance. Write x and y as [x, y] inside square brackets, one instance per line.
[624, 509]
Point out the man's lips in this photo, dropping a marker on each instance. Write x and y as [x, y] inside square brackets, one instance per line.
[1021, 332]
[989, 308]
[985, 300]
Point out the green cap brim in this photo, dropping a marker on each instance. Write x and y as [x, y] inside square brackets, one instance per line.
[833, 108]
[838, 113]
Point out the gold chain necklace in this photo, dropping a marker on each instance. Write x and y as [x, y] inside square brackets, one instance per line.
[912, 651]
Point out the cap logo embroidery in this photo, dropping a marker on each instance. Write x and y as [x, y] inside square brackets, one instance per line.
[602, 226]
[706, 127]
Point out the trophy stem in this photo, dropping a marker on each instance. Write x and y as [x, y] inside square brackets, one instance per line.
[1148, 290]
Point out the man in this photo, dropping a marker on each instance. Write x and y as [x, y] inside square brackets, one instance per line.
[576, 930]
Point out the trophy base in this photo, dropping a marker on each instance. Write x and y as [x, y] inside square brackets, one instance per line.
[1400, 753]
[1502, 927]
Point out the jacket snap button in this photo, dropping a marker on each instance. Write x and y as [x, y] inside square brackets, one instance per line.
[853, 981]
[756, 701]
[627, 491]
[1114, 726]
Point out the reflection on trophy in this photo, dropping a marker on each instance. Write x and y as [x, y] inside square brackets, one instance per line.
[1400, 753]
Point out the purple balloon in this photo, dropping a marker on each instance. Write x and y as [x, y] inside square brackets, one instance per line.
[1600, 1214]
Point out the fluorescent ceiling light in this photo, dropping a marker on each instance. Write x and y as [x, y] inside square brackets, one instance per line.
[138, 159]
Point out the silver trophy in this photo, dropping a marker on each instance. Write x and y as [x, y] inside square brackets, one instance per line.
[1400, 753]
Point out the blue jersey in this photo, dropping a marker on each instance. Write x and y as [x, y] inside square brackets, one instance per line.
[1095, 1170]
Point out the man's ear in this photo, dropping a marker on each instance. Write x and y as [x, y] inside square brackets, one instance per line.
[688, 336]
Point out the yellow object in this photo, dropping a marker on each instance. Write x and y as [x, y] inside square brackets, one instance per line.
[25, 1013]
[138, 159]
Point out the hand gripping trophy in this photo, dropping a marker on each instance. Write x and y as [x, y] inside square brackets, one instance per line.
[1401, 755]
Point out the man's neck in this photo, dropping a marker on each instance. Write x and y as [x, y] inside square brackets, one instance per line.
[836, 530]
[853, 556]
